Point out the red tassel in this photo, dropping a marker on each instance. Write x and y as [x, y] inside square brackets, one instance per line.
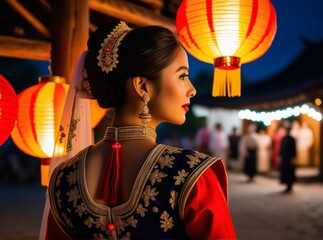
[110, 178]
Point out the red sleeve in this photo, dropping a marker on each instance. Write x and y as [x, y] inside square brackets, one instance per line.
[206, 213]
[53, 230]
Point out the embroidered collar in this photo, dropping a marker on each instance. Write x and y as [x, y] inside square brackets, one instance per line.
[129, 133]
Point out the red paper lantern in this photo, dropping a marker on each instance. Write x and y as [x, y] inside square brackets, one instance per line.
[39, 115]
[8, 109]
[226, 33]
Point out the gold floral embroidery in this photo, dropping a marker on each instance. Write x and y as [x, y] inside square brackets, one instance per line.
[173, 197]
[156, 176]
[119, 224]
[58, 198]
[149, 194]
[73, 195]
[166, 161]
[88, 222]
[126, 223]
[141, 210]
[193, 161]
[166, 222]
[126, 237]
[181, 177]
[72, 177]
[99, 237]
[123, 224]
[80, 209]
[172, 150]
[101, 223]
[200, 155]
[67, 220]
[132, 221]
[59, 179]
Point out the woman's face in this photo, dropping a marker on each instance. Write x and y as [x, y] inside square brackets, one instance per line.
[171, 98]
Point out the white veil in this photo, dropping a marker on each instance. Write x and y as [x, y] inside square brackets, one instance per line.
[75, 132]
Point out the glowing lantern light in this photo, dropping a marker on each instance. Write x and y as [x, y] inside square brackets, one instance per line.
[226, 33]
[39, 115]
[8, 109]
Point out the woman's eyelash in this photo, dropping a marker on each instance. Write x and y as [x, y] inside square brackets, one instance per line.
[183, 76]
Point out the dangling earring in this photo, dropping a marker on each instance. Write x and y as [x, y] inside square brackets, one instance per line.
[145, 116]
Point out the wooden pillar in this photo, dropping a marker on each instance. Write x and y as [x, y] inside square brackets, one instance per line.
[70, 28]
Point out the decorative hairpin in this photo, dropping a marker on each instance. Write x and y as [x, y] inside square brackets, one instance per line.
[108, 54]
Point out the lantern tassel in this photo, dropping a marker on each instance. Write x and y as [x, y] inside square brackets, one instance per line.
[226, 83]
[227, 80]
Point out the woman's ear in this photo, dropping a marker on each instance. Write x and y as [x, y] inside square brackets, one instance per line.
[140, 85]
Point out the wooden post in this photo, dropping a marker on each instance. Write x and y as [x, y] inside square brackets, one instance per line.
[70, 29]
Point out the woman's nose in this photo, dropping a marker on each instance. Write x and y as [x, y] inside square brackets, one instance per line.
[192, 90]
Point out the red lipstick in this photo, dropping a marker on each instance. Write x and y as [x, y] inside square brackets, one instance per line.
[186, 107]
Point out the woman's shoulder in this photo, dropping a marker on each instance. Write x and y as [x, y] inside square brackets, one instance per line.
[70, 163]
[186, 151]
[191, 157]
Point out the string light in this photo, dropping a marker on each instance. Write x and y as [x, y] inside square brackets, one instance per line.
[268, 117]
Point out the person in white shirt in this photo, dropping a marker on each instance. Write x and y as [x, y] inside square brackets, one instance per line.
[219, 142]
[264, 151]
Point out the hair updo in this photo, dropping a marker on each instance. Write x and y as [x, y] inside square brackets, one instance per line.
[144, 52]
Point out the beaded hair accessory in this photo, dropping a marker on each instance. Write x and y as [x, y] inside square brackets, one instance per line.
[108, 54]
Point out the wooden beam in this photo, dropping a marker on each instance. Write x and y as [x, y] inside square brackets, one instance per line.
[29, 17]
[23, 48]
[45, 4]
[131, 13]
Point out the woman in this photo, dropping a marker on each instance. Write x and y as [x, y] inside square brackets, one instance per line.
[127, 186]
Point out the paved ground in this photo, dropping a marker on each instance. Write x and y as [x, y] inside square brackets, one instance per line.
[259, 210]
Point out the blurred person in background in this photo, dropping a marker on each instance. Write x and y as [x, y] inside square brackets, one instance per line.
[202, 138]
[219, 142]
[304, 143]
[264, 151]
[233, 158]
[277, 136]
[248, 150]
[287, 155]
